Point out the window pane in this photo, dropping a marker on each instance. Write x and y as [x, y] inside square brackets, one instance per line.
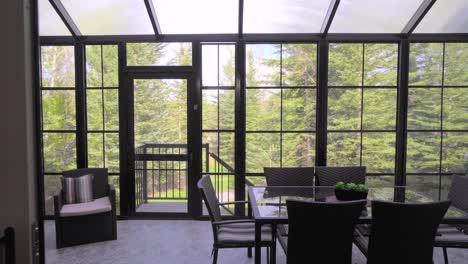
[424, 108]
[263, 109]
[456, 56]
[263, 150]
[226, 149]
[454, 150]
[52, 183]
[345, 64]
[107, 17]
[343, 149]
[445, 17]
[50, 23]
[211, 139]
[284, 16]
[210, 109]
[423, 152]
[114, 180]
[159, 54]
[59, 151]
[426, 61]
[94, 109]
[218, 70]
[58, 66]
[93, 66]
[263, 65]
[95, 150]
[299, 65]
[379, 111]
[298, 109]
[378, 152]
[456, 108]
[197, 17]
[376, 16]
[111, 65]
[111, 109]
[226, 109]
[344, 109]
[112, 152]
[298, 150]
[380, 64]
[58, 110]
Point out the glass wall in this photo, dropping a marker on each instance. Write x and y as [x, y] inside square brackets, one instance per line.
[437, 116]
[362, 100]
[218, 115]
[58, 117]
[280, 106]
[102, 108]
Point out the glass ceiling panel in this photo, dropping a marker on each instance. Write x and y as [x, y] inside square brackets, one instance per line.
[50, 23]
[373, 16]
[109, 17]
[284, 16]
[197, 16]
[445, 16]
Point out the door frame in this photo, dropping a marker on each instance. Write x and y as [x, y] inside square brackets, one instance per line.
[127, 144]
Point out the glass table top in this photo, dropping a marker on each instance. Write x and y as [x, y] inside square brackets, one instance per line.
[270, 202]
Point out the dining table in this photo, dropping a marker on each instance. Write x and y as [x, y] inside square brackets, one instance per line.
[268, 205]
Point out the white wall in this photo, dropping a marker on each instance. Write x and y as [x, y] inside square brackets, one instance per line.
[17, 157]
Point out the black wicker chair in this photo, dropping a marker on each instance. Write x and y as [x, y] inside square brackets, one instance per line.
[289, 176]
[455, 236]
[7, 246]
[87, 227]
[329, 176]
[402, 233]
[239, 233]
[322, 232]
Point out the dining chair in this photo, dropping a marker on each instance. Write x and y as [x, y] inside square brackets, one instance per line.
[232, 233]
[455, 236]
[329, 176]
[321, 232]
[300, 176]
[297, 176]
[402, 232]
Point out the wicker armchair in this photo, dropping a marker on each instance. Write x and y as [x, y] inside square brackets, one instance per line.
[78, 224]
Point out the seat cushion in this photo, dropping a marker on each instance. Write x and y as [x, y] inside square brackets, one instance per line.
[241, 232]
[448, 235]
[100, 205]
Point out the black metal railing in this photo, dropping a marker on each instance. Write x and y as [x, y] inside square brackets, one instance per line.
[161, 173]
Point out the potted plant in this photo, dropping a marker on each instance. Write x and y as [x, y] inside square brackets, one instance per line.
[350, 191]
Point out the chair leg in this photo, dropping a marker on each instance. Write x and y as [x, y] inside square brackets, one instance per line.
[215, 255]
[444, 249]
[268, 255]
[249, 252]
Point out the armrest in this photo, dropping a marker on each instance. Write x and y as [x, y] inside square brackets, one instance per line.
[249, 210]
[228, 222]
[236, 202]
[57, 202]
[112, 196]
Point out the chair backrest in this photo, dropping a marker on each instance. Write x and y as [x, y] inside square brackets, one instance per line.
[404, 233]
[209, 196]
[289, 176]
[7, 246]
[100, 179]
[329, 176]
[322, 232]
[458, 192]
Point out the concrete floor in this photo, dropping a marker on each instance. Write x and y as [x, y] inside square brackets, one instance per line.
[171, 242]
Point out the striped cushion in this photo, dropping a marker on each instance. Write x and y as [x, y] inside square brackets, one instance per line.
[68, 187]
[84, 188]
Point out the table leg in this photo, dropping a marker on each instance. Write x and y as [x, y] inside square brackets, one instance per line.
[273, 246]
[258, 239]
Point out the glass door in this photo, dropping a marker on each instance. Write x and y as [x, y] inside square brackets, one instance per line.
[161, 149]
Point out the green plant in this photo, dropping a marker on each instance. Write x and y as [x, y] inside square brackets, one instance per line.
[351, 186]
